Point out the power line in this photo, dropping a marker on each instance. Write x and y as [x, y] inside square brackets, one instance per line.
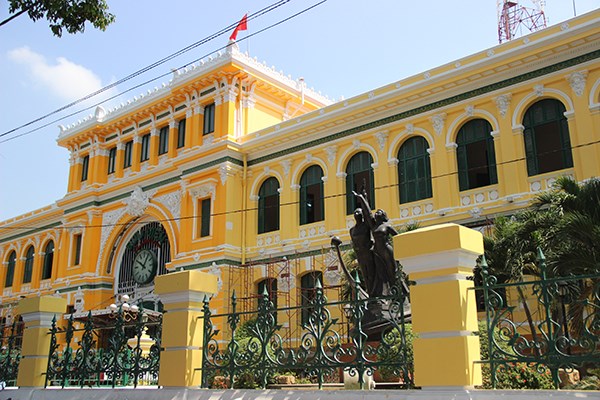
[133, 223]
[207, 39]
[158, 77]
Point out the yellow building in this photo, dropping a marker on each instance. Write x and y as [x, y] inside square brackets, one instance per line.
[235, 169]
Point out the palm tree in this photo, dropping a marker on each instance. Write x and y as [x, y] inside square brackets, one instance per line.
[576, 237]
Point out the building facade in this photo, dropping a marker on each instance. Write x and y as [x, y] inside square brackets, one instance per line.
[238, 170]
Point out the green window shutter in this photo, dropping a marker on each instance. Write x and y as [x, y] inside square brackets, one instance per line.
[10, 270]
[414, 170]
[205, 218]
[566, 143]
[491, 157]
[463, 167]
[530, 152]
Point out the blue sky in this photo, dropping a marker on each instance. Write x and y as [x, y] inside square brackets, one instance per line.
[341, 48]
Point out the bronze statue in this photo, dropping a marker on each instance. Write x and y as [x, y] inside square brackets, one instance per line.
[374, 254]
[385, 264]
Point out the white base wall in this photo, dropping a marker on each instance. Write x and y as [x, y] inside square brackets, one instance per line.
[244, 394]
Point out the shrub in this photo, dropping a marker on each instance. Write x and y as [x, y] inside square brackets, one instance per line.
[395, 354]
[512, 375]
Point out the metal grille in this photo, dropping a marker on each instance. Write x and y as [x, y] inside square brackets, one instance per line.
[153, 237]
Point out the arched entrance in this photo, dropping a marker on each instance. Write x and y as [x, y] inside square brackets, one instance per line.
[145, 255]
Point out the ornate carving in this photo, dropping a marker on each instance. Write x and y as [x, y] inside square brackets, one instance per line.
[109, 219]
[332, 275]
[538, 90]
[438, 121]
[172, 202]
[410, 128]
[206, 190]
[137, 203]
[503, 102]
[286, 165]
[577, 82]
[79, 302]
[216, 271]
[331, 153]
[225, 170]
[381, 139]
[469, 110]
[286, 281]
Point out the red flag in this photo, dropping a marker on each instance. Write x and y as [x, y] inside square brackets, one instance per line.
[242, 26]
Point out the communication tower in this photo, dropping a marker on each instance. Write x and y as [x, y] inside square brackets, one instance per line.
[513, 18]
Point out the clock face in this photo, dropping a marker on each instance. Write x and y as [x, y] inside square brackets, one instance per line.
[144, 267]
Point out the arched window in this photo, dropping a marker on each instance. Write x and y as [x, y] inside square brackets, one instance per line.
[268, 206]
[312, 207]
[308, 292]
[10, 269]
[359, 177]
[475, 155]
[414, 170]
[270, 284]
[48, 260]
[28, 270]
[546, 135]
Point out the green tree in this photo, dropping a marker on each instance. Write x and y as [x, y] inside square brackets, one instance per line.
[575, 239]
[70, 15]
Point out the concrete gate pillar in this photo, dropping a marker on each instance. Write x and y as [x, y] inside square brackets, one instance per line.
[444, 311]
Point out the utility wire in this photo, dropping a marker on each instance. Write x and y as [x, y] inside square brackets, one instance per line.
[393, 185]
[207, 39]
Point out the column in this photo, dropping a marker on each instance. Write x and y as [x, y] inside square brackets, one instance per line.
[225, 113]
[136, 153]
[119, 160]
[153, 150]
[37, 313]
[173, 136]
[98, 170]
[182, 294]
[193, 126]
[440, 259]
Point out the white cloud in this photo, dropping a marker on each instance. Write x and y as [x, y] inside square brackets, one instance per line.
[64, 78]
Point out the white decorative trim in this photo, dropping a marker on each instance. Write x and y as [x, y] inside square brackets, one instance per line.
[381, 137]
[172, 202]
[470, 112]
[204, 190]
[538, 90]
[137, 202]
[444, 334]
[402, 136]
[437, 121]
[577, 81]
[216, 271]
[519, 110]
[331, 153]
[503, 103]
[444, 278]
[440, 260]
[286, 165]
[187, 296]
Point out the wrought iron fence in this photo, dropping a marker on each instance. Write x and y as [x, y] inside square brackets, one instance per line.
[550, 324]
[251, 345]
[11, 338]
[121, 348]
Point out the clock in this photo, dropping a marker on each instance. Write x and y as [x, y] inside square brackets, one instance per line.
[144, 266]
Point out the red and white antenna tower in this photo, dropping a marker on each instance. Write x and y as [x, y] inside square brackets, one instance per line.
[513, 18]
